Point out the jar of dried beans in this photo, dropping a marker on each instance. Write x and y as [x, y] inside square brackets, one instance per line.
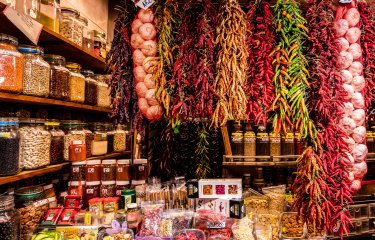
[70, 25]
[89, 136]
[10, 219]
[119, 141]
[59, 78]
[11, 62]
[9, 148]
[77, 82]
[109, 170]
[104, 98]
[287, 145]
[57, 141]
[100, 143]
[91, 88]
[36, 73]
[73, 132]
[35, 144]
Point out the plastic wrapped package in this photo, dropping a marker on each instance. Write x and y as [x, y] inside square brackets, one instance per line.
[152, 219]
[276, 196]
[189, 234]
[243, 229]
[263, 232]
[212, 223]
[255, 202]
[272, 220]
[173, 221]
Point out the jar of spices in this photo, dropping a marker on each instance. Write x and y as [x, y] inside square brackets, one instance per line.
[89, 136]
[77, 171]
[77, 82]
[73, 132]
[119, 141]
[263, 144]
[76, 188]
[100, 143]
[108, 189]
[275, 146]
[50, 14]
[132, 213]
[93, 170]
[109, 170]
[141, 169]
[11, 62]
[121, 185]
[123, 170]
[110, 137]
[104, 98]
[31, 8]
[87, 36]
[70, 25]
[59, 78]
[91, 88]
[299, 144]
[36, 72]
[35, 144]
[9, 148]
[237, 141]
[10, 219]
[249, 142]
[92, 190]
[287, 145]
[57, 141]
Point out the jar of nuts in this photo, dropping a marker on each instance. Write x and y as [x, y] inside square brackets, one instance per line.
[59, 78]
[119, 141]
[57, 141]
[70, 25]
[77, 82]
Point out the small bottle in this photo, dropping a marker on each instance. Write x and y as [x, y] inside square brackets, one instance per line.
[263, 144]
[237, 142]
[249, 142]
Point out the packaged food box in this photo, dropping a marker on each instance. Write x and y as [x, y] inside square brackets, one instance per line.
[220, 188]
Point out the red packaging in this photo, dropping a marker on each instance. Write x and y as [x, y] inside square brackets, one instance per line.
[67, 216]
[52, 216]
[72, 201]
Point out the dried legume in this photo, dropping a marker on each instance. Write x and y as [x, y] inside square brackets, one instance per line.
[9, 157]
[119, 142]
[77, 83]
[59, 78]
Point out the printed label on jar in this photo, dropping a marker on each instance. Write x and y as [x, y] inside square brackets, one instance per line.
[5, 135]
[237, 137]
[75, 169]
[263, 137]
[275, 140]
[90, 191]
[90, 170]
[104, 191]
[106, 170]
[118, 192]
[73, 192]
[120, 169]
[141, 168]
[250, 139]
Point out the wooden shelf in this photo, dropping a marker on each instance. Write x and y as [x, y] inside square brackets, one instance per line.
[16, 98]
[33, 173]
[109, 156]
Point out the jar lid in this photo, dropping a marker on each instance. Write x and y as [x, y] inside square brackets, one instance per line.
[28, 192]
[13, 121]
[8, 39]
[79, 163]
[140, 161]
[93, 162]
[131, 205]
[128, 192]
[6, 202]
[109, 161]
[52, 122]
[73, 66]
[123, 161]
[38, 121]
[70, 10]
[4, 122]
[87, 73]
[108, 182]
[76, 183]
[52, 57]
[84, 20]
[247, 175]
[122, 183]
[138, 182]
[71, 123]
[28, 49]
[94, 183]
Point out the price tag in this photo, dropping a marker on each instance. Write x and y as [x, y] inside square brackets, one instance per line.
[25, 24]
[144, 4]
[345, 1]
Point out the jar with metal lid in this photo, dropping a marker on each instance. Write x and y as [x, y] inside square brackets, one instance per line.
[35, 144]
[10, 219]
[77, 171]
[76, 188]
[104, 98]
[57, 141]
[73, 132]
[100, 143]
[50, 14]
[140, 169]
[92, 190]
[91, 88]
[87, 36]
[9, 147]
[77, 82]
[108, 189]
[93, 170]
[100, 43]
[70, 25]
[275, 146]
[36, 72]
[237, 142]
[32, 8]
[11, 62]
[123, 172]
[263, 144]
[119, 141]
[59, 78]
[109, 170]
[110, 137]
[89, 136]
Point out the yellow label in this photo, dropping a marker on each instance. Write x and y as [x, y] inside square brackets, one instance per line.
[5, 135]
[289, 135]
[88, 219]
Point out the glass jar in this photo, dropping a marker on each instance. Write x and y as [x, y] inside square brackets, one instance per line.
[104, 98]
[100, 42]
[249, 140]
[9, 148]
[93, 170]
[121, 185]
[11, 62]
[70, 25]
[108, 189]
[35, 144]
[36, 73]
[89, 136]
[60, 78]
[237, 141]
[110, 137]
[31, 8]
[109, 170]
[73, 132]
[77, 82]
[50, 14]
[100, 143]
[92, 190]
[119, 141]
[87, 36]
[141, 169]
[77, 171]
[91, 88]
[132, 213]
[76, 188]
[123, 170]
[287, 145]
[10, 219]
[11, 3]
[263, 144]
[275, 146]
[57, 141]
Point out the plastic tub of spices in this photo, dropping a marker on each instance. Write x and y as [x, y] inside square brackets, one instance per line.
[140, 169]
[77, 150]
[93, 170]
[121, 185]
[92, 190]
[123, 170]
[77, 82]
[108, 189]
[59, 78]
[119, 141]
[77, 171]
[91, 88]
[12, 64]
[73, 132]
[57, 141]
[76, 188]
[36, 73]
[9, 148]
[109, 170]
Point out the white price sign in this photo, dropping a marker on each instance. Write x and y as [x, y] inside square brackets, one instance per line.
[144, 3]
[345, 1]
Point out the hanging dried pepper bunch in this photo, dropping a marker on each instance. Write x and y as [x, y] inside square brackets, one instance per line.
[194, 69]
[202, 158]
[167, 20]
[119, 64]
[261, 42]
[231, 64]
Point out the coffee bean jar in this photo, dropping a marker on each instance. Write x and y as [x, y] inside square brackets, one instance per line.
[10, 219]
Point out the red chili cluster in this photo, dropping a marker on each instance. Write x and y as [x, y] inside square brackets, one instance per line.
[261, 39]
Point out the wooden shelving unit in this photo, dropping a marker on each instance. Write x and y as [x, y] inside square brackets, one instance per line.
[111, 155]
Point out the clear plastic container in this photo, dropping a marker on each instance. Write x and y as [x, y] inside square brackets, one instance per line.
[108, 189]
[77, 82]
[9, 148]
[92, 190]
[104, 98]
[35, 144]
[70, 25]
[60, 78]
[77, 171]
[10, 219]
[87, 36]
[140, 169]
[100, 143]
[291, 226]
[89, 136]
[119, 141]
[359, 211]
[57, 141]
[255, 202]
[73, 132]
[123, 172]
[36, 74]
[91, 88]
[50, 14]
[32, 8]
[100, 42]
[109, 170]
[11, 62]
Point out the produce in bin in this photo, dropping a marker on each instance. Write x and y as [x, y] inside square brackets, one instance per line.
[47, 235]
[119, 232]
[190, 234]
